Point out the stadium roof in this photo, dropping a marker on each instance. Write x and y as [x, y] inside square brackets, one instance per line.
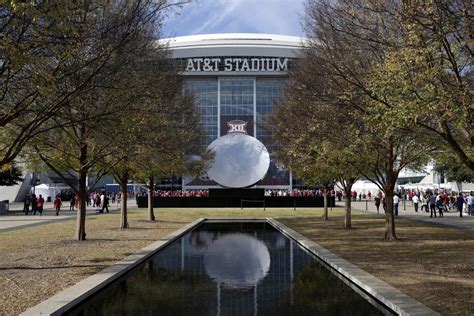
[244, 44]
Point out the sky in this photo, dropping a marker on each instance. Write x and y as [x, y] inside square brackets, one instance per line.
[236, 16]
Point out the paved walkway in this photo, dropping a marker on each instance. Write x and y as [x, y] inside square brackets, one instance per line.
[451, 219]
[16, 219]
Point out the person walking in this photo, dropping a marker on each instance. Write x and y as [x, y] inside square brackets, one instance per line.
[446, 207]
[432, 204]
[470, 204]
[377, 203]
[105, 203]
[57, 204]
[34, 207]
[396, 200]
[72, 202]
[424, 203]
[452, 202]
[440, 204]
[97, 200]
[460, 203]
[40, 205]
[415, 200]
[26, 205]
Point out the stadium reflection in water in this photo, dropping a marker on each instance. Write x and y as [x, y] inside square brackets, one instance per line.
[229, 269]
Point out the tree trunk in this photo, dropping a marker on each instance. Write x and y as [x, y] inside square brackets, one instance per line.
[389, 218]
[389, 188]
[123, 201]
[325, 213]
[347, 208]
[151, 213]
[82, 195]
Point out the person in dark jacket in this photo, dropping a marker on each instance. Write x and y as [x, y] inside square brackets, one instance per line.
[432, 204]
[26, 205]
[460, 203]
[105, 204]
[440, 204]
[33, 204]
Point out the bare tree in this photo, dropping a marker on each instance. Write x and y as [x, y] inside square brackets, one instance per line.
[347, 40]
[45, 45]
[126, 31]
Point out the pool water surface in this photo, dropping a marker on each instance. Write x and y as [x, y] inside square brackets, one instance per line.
[241, 268]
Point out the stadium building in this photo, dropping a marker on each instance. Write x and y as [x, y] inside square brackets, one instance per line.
[236, 77]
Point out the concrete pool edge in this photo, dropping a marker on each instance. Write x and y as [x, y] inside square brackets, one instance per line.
[69, 297]
[391, 297]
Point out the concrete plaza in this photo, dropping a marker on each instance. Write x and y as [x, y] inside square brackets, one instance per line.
[16, 219]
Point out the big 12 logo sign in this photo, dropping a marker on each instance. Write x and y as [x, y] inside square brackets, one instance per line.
[237, 126]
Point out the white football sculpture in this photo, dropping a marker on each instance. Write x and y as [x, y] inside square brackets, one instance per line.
[240, 160]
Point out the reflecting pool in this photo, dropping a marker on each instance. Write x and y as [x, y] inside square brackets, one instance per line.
[230, 269]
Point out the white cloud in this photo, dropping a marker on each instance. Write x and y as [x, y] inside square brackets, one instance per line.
[225, 16]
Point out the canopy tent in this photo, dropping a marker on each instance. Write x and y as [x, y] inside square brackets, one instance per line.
[47, 190]
[361, 187]
[43, 190]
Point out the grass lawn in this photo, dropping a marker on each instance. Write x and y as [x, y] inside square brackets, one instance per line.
[435, 265]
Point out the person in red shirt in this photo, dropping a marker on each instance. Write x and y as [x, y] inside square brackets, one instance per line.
[40, 204]
[446, 202]
[57, 204]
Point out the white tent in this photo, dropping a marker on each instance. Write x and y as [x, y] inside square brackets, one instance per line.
[362, 187]
[43, 190]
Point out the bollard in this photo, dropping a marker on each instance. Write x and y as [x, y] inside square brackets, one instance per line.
[366, 206]
[404, 208]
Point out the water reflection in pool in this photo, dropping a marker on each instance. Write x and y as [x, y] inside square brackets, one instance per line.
[237, 260]
[229, 269]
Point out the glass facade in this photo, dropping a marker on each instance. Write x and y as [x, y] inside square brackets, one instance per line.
[237, 102]
[205, 96]
[221, 99]
[268, 91]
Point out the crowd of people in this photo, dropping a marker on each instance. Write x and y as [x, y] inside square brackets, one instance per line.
[435, 203]
[205, 193]
[176, 193]
[296, 193]
[33, 205]
[101, 200]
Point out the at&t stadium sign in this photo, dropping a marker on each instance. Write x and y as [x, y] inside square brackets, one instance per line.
[237, 64]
